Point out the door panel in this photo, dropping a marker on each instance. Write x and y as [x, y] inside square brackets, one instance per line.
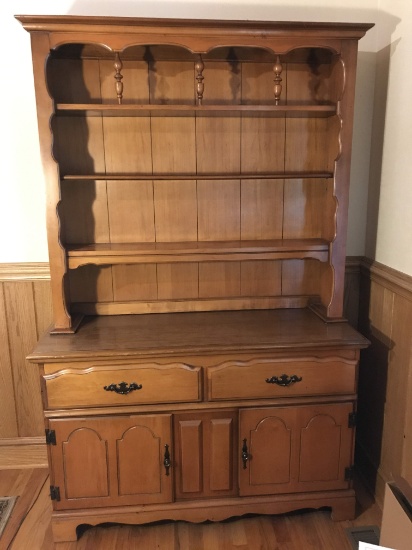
[326, 446]
[205, 446]
[85, 446]
[277, 469]
[191, 454]
[271, 440]
[111, 461]
[221, 454]
[294, 449]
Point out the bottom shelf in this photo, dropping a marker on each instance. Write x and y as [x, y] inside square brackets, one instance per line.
[197, 305]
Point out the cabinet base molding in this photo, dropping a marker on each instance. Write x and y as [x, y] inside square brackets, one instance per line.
[66, 525]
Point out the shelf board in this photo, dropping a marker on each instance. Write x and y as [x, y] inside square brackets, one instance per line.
[177, 252]
[177, 177]
[111, 109]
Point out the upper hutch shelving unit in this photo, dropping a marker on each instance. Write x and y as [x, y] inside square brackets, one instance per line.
[194, 166]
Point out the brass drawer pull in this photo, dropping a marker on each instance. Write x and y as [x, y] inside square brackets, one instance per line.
[284, 380]
[123, 388]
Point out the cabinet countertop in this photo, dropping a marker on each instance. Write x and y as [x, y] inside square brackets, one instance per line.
[192, 333]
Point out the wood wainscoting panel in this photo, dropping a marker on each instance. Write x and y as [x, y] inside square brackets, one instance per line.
[384, 433]
[8, 417]
[25, 313]
[22, 334]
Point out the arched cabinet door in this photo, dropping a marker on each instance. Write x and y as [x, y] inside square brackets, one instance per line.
[294, 449]
[111, 461]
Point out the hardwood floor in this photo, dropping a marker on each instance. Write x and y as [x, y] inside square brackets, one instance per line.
[296, 531]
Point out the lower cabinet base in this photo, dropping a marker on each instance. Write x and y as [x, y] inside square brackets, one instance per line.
[65, 524]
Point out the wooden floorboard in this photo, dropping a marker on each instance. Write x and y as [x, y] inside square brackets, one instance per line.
[295, 531]
[27, 485]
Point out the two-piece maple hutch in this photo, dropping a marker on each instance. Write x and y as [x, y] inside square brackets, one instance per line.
[197, 172]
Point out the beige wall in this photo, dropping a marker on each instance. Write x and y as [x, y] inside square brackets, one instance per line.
[22, 214]
[394, 109]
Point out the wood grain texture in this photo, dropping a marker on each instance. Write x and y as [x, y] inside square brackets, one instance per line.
[138, 335]
[27, 485]
[8, 423]
[22, 333]
[384, 406]
[132, 285]
[23, 452]
[25, 313]
[85, 387]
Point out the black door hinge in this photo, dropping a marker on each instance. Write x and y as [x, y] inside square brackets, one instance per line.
[352, 420]
[55, 493]
[349, 473]
[50, 437]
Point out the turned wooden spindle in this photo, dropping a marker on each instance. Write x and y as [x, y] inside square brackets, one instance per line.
[199, 66]
[118, 66]
[277, 89]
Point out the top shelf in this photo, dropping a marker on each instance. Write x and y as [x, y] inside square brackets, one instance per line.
[110, 109]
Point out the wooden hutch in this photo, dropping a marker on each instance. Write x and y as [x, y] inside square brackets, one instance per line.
[197, 173]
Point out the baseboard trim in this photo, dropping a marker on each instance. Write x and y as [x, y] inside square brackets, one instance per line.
[28, 271]
[23, 452]
[394, 280]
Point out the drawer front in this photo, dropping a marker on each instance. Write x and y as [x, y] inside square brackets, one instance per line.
[122, 384]
[271, 378]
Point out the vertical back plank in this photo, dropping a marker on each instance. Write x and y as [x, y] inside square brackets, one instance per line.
[91, 283]
[78, 144]
[219, 279]
[74, 80]
[261, 278]
[218, 145]
[172, 82]
[305, 203]
[134, 282]
[257, 83]
[222, 82]
[131, 211]
[173, 145]
[300, 277]
[261, 209]
[177, 281]
[219, 210]
[263, 144]
[89, 224]
[127, 144]
[175, 210]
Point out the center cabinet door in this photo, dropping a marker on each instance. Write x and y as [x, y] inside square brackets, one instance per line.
[295, 449]
[205, 454]
[111, 461]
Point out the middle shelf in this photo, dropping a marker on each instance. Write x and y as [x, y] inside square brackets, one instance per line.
[209, 176]
[304, 110]
[180, 252]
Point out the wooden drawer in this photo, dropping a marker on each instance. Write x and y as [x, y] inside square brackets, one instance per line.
[300, 376]
[80, 385]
